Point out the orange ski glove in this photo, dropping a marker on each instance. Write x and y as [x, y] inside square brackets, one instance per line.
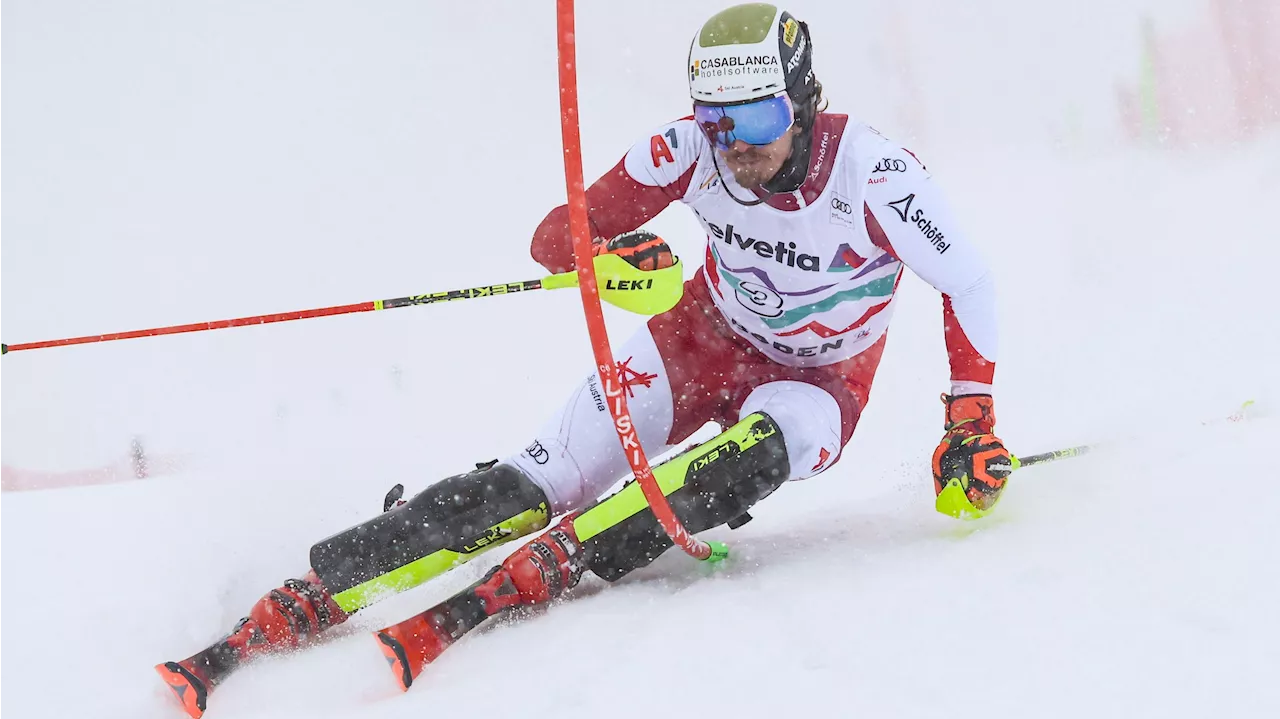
[970, 465]
[643, 250]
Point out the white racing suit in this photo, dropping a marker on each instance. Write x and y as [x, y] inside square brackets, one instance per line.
[788, 314]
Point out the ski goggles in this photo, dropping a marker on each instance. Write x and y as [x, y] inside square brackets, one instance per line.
[758, 122]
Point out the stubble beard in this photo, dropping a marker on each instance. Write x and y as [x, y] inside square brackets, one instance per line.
[764, 163]
[752, 175]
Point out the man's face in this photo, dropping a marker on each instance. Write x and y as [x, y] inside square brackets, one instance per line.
[754, 165]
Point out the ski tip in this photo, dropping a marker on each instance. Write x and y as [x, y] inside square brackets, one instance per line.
[187, 687]
[396, 659]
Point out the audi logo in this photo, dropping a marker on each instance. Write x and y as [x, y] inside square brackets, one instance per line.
[890, 165]
[841, 205]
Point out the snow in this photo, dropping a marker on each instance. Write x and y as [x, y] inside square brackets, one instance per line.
[179, 163]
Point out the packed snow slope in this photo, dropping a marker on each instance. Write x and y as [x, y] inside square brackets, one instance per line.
[174, 163]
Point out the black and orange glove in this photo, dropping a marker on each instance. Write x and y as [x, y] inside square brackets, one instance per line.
[643, 250]
[970, 465]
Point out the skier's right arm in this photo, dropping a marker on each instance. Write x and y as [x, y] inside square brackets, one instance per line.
[654, 173]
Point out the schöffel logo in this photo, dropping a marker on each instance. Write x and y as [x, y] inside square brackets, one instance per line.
[926, 227]
[903, 206]
[822, 156]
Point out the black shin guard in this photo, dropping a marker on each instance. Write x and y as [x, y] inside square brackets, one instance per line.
[712, 484]
[443, 526]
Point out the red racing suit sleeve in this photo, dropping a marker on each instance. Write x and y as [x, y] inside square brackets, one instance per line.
[911, 218]
[654, 173]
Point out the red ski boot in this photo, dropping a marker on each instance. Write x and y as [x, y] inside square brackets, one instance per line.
[280, 620]
[537, 572]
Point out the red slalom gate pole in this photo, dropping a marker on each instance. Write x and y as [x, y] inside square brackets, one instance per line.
[581, 232]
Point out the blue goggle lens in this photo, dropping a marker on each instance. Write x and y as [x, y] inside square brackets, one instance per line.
[755, 123]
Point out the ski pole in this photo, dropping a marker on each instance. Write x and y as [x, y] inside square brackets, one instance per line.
[645, 292]
[1241, 414]
[1019, 462]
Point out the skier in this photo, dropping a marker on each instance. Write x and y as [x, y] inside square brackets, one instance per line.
[810, 219]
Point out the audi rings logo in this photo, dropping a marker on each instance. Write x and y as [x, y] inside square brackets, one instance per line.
[889, 164]
[841, 211]
[538, 453]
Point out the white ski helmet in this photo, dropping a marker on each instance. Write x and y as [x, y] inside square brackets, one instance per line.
[749, 52]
